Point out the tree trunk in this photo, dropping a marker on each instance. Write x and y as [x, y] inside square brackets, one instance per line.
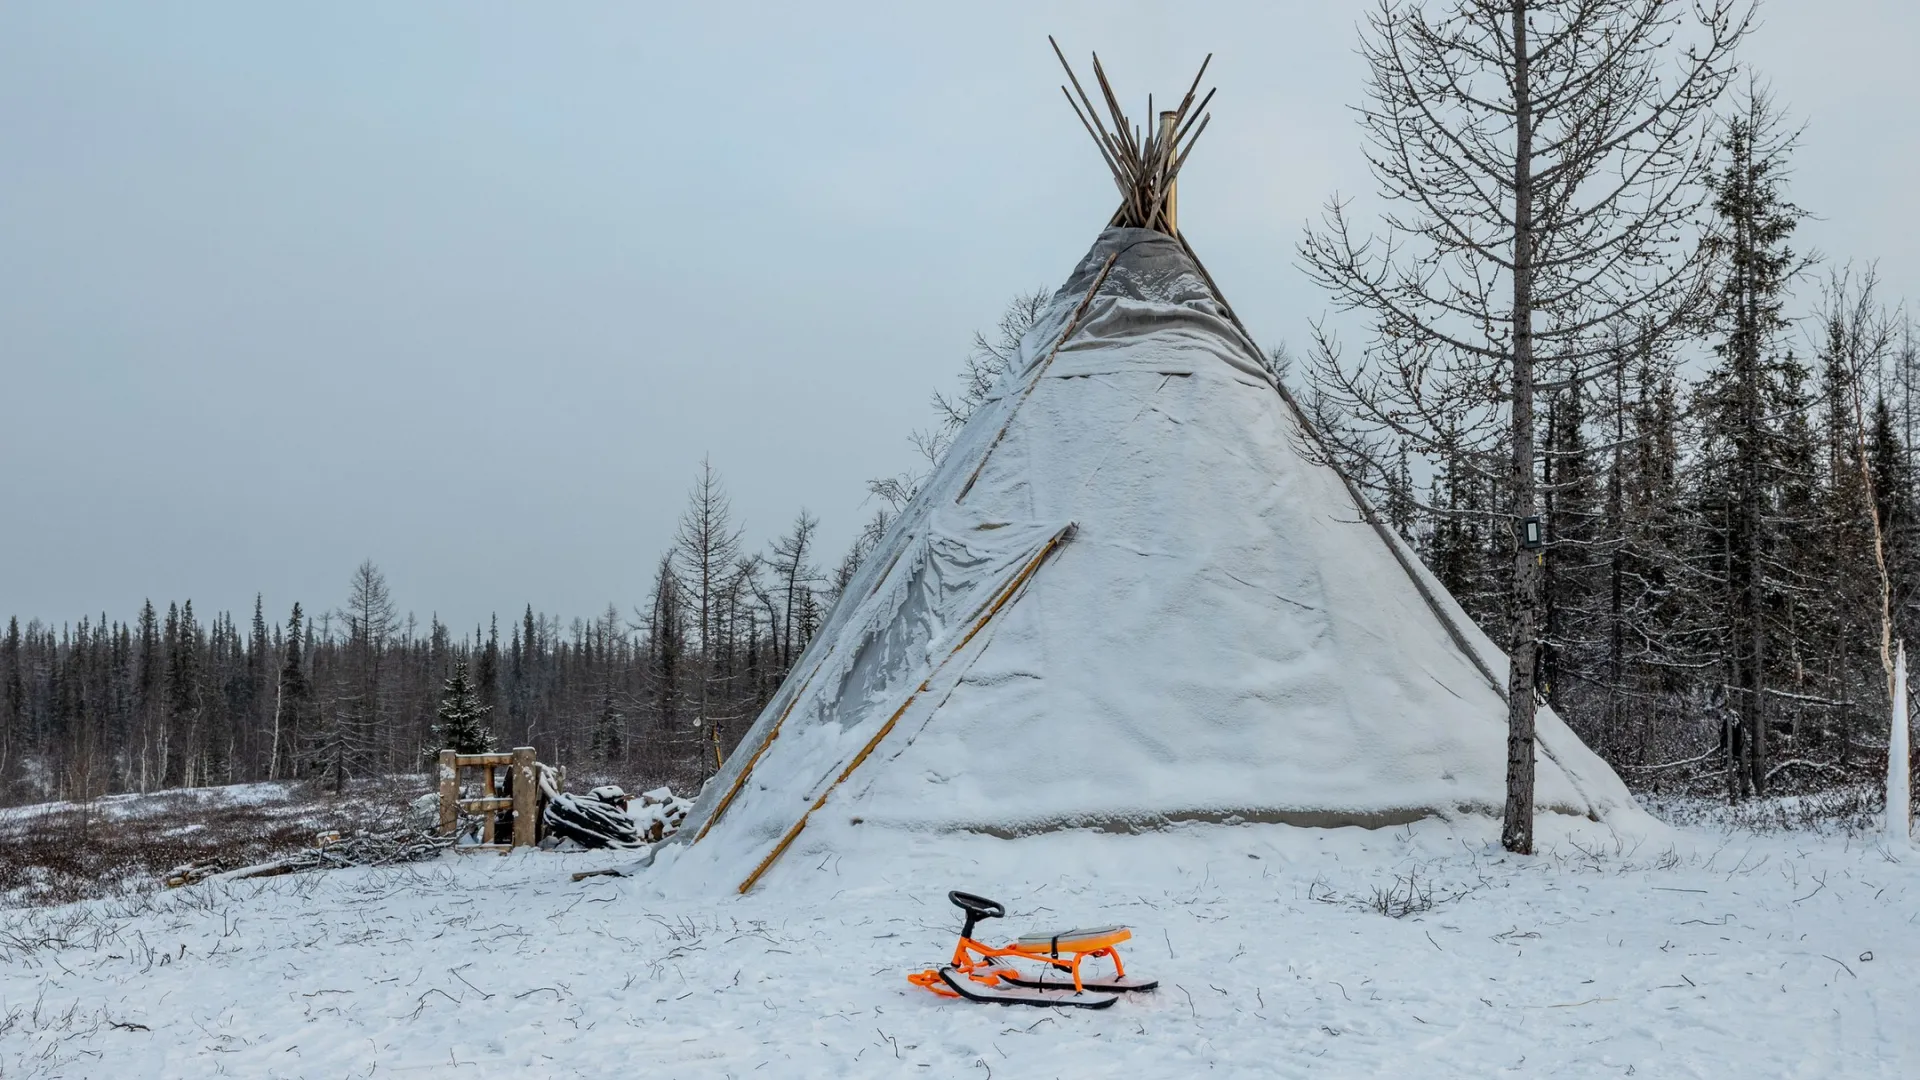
[1516, 833]
[1751, 604]
[1756, 696]
[273, 755]
[1899, 761]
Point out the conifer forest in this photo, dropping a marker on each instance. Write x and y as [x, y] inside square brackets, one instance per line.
[1729, 544]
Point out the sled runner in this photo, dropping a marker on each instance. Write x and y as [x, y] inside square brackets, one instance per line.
[982, 972]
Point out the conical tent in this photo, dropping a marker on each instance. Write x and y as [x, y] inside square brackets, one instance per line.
[1131, 594]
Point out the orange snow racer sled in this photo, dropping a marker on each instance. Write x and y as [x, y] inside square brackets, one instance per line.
[1056, 977]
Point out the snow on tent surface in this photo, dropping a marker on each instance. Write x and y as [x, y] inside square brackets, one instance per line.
[1127, 596]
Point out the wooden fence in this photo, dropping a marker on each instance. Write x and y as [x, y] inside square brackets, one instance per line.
[523, 798]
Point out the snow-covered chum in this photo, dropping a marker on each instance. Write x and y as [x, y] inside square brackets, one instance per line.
[1129, 595]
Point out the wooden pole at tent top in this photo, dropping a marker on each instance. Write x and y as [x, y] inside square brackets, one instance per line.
[1168, 117]
[1144, 171]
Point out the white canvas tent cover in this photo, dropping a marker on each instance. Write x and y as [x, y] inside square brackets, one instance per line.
[1129, 595]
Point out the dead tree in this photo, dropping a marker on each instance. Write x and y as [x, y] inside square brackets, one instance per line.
[707, 547]
[1540, 161]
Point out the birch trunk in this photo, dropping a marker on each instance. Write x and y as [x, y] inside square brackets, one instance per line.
[1899, 779]
[273, 756]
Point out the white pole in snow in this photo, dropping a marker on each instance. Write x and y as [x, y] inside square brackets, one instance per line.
[1899, 783]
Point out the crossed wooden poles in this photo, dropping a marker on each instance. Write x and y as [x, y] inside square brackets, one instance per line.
[1144, 167]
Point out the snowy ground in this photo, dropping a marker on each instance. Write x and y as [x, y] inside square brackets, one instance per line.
[124, 845]
[1700, 954]
[133, 806]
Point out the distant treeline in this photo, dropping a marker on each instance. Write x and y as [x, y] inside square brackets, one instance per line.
[655, 695]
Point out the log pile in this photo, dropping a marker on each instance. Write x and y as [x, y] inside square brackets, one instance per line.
[331, 851]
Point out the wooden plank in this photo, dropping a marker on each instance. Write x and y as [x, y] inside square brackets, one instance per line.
[449, 792]
[525, 799]
[477, 760]
[495, 804]
[608, 872]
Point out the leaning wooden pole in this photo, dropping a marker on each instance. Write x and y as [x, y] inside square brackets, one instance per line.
[1899, 757]
[1000, 600]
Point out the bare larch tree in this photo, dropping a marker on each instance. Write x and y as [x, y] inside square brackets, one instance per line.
[707, 548]
[1540, 161]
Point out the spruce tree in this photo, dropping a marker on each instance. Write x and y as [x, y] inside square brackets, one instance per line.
[607, 745]
[146, 695]
[260, 676]
[1893, 492]
[1855, 338]
[489, 673]
[1569, 488]
[1739, 404]
[13, 703]
[460, 724]
[291, 701]
[183, 696]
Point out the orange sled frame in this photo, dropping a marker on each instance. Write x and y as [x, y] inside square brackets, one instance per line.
[981, 964]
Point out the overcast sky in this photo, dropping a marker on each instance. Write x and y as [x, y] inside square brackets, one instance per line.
[469, 288]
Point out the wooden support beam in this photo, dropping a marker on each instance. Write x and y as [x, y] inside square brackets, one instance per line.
[526, 797]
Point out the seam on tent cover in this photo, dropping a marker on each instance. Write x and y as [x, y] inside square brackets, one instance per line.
[1005, 594]
[1072, 325]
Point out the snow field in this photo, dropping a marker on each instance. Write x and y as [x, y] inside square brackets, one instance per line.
[137, 806]
[1690, 955]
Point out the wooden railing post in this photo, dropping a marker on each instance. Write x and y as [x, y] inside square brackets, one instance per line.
[526, 797]
[449, 792]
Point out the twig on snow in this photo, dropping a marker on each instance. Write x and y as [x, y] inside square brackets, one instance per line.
[455, 972]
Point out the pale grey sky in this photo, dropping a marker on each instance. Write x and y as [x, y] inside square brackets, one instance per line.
[470, 288]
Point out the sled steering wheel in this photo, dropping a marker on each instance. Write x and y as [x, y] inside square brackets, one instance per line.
[976, 907]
